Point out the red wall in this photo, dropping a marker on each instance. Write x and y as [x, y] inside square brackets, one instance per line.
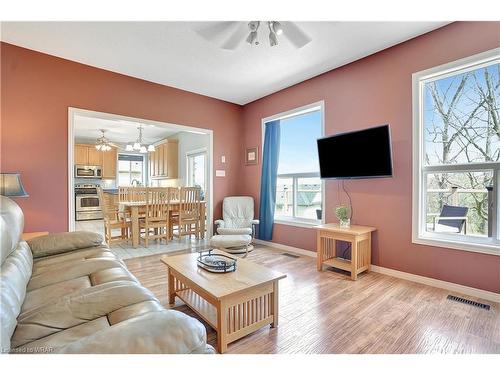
[37, 90]
[372, 91]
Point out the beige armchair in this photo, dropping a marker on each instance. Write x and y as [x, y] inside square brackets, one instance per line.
[237, 227]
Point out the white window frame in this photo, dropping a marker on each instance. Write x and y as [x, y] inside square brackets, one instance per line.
[299, 221]
[419, 233]
[144, 163]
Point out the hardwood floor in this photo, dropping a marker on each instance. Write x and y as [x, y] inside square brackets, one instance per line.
[326, 312]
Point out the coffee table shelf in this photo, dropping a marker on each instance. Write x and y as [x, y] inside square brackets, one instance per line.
[199, 305]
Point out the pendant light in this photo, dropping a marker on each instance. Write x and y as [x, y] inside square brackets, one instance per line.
[138, 145]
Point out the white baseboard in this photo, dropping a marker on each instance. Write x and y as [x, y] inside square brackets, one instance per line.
[467, 290]
[290, 249]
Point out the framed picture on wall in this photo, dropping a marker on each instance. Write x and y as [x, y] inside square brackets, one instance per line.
[252, 156]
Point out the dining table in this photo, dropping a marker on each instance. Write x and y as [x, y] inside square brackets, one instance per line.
[140, 206]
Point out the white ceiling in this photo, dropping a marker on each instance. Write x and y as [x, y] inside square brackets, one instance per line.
[174, 54]
[87, 130]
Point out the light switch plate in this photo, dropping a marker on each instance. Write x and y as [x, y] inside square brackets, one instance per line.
[223, 159]
[220, 173]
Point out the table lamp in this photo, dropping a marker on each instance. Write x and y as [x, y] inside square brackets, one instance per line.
[11, 185]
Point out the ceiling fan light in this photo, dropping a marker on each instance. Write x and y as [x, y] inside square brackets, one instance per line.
[137, 146]
[273, 40]
[277, 28]
[129, 147]
[151, 148]
[143, 150]
[98, 147]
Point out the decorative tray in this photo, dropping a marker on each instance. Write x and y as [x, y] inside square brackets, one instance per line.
[216, 262]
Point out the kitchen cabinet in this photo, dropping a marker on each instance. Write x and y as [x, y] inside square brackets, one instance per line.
[89, 155]
[109, 163]
[81, 154]
[163, 161]
[94, 156]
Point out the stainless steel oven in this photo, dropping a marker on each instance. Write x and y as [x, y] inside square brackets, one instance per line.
[88, 171]
[87, 202]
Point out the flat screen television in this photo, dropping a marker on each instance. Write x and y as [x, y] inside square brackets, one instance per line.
[358, 154]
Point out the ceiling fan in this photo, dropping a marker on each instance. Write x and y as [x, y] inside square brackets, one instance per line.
[230, 34]
[102, 143]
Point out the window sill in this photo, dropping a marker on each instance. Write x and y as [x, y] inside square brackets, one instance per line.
[297, 223]
[485, 247]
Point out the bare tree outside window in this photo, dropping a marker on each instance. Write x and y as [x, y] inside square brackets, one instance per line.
[461, 118]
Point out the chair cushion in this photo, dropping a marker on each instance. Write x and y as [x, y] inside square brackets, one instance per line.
[237, 212]
[232, 240]
[234, 231]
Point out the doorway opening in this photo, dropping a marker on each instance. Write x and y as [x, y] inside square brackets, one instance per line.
[170, 155]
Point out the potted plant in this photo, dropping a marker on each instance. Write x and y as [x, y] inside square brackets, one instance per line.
[343, 213]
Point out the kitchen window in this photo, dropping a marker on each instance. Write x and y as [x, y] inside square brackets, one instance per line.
[456, 154]
[299, 189]
[131, 170]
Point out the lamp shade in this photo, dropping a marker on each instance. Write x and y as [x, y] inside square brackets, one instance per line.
[11, 185]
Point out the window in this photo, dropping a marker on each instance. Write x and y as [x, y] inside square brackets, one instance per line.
[130, 170]
[197, 171]
[457, 154]
[299, 187]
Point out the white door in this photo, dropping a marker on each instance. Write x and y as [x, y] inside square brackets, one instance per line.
[197, 171]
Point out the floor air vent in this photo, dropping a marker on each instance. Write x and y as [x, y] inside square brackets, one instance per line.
[291, 255]
[468, 302]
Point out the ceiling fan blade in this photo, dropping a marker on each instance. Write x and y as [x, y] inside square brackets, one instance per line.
[113, 144]
[214, 29]
[295, 34]
[237, 36]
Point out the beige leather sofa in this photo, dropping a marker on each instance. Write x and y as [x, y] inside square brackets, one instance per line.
[68, 293]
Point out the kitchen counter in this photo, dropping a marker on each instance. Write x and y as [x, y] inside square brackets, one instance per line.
[110, 191]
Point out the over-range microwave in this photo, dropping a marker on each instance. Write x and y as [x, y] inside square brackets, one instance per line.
[88, 171]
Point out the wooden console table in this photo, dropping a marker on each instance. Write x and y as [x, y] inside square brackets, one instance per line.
[360, 238]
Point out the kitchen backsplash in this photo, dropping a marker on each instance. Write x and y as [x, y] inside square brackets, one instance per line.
[104, 183]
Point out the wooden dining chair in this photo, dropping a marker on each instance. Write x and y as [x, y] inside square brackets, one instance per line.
[113, 219]
[188, 219]
[123, 194]
[155, 224]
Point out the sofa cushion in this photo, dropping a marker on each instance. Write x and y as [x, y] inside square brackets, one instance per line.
[46, 264]
[63, 272]
[59, 243]
[77, 308]
[166, 331]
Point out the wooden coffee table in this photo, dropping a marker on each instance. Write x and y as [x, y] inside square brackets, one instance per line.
[234, 304]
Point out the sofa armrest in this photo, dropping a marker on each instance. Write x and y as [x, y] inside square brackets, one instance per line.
[167, 331]
[255, 222]
[58, 243]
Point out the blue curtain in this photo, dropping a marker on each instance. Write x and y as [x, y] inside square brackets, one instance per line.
[268, 180]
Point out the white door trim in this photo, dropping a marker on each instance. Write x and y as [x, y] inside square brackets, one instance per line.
[110, 116]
